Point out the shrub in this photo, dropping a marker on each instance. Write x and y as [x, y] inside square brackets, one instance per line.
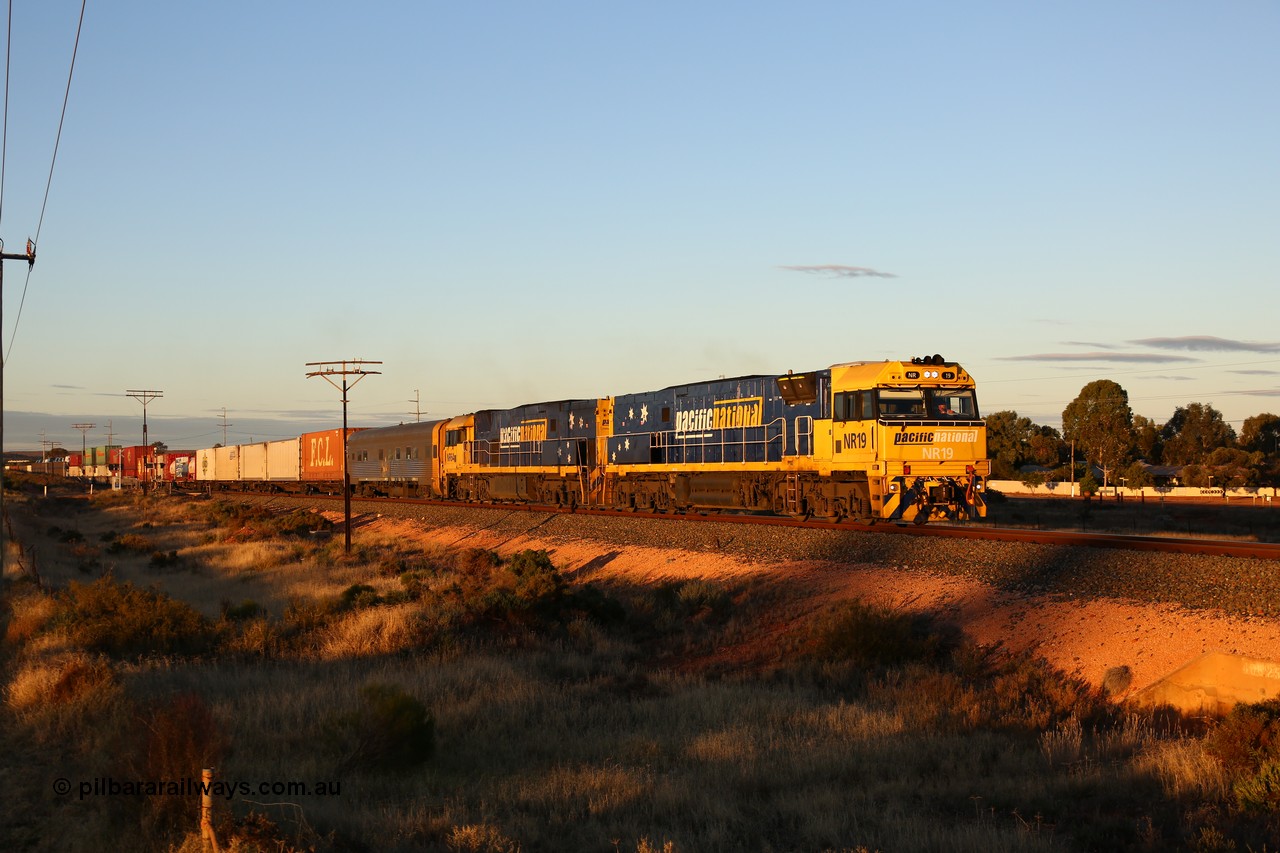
[1261, 791]
[1247, 737]
[359, 595]
[181, 739]
[535, 578]
[476, 564]
[246, 609]
[126, 621]
[414, 583]
[68, 536]
[867, 635]
[129, 542]
[391, 731]
[596, 605]
[671, 607]
[162, 560]
[1025, 693]
[256, 521]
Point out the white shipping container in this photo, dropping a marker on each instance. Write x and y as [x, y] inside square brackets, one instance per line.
[206, 470]
[253, 462]
[284, 460]
[226, 463]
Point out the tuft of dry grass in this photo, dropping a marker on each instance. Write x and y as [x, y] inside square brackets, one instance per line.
[373, 631]
[71, 679]
[30, 611]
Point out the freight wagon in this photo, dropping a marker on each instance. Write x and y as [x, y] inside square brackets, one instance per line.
[311, 462]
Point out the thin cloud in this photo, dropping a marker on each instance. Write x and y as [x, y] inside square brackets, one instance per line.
[1208, 343]
[839, 271]
[1255, 372]
[1089, 344]
[1130, 357]
[69, 387]
[1258, 392]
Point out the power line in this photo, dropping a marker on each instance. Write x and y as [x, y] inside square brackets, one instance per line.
[57, 141]
[4, 135]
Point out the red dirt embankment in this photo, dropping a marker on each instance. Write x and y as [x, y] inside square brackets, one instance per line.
[1081, 637]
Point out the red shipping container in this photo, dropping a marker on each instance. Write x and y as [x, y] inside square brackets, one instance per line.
[135, 461]
[322, 455]
[177, 465]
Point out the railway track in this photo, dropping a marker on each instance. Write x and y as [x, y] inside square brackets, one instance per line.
[1053, 538]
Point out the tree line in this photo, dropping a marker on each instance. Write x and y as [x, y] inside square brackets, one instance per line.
[1101, 429]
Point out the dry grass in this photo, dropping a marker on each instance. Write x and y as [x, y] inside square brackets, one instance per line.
[71, 683]
[558, 724]
[373, 632]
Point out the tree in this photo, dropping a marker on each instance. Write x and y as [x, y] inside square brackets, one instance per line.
[1033, 479]
[1261, 433]
[1231, 467]
[1146, 437]
[1008, 438]
[1195, 431]
[1047, 447]
[1136, 476]
[1100, 422]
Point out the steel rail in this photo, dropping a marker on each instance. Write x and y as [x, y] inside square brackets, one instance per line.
[1052, 538]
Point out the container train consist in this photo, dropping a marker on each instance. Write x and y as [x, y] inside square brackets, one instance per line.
[890, 440]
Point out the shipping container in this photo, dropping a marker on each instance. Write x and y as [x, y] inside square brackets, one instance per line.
[283, 460]
[206, 465]
[227, 463]
[134, 461]
[253, 462]
[101, 456]
[321, 454]
[176, 465]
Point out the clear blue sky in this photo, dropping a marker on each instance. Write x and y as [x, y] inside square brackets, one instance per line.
[506, 202]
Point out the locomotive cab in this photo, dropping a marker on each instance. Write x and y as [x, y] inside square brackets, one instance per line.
[912, 432]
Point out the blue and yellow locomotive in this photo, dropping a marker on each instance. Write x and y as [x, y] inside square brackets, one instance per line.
[889, 440]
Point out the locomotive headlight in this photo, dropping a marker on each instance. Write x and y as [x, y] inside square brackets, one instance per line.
[893, 487]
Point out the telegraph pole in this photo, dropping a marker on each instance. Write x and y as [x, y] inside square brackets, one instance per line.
[417, 407]
[328, 370]
[224, 426]
[143, 397]
[111, 425]
[84, 442]
[30, 258]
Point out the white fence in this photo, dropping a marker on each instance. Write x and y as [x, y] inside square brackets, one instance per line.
[1256, 494]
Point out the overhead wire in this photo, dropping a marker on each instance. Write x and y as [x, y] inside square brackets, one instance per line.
[4, 132]
[66, 96]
